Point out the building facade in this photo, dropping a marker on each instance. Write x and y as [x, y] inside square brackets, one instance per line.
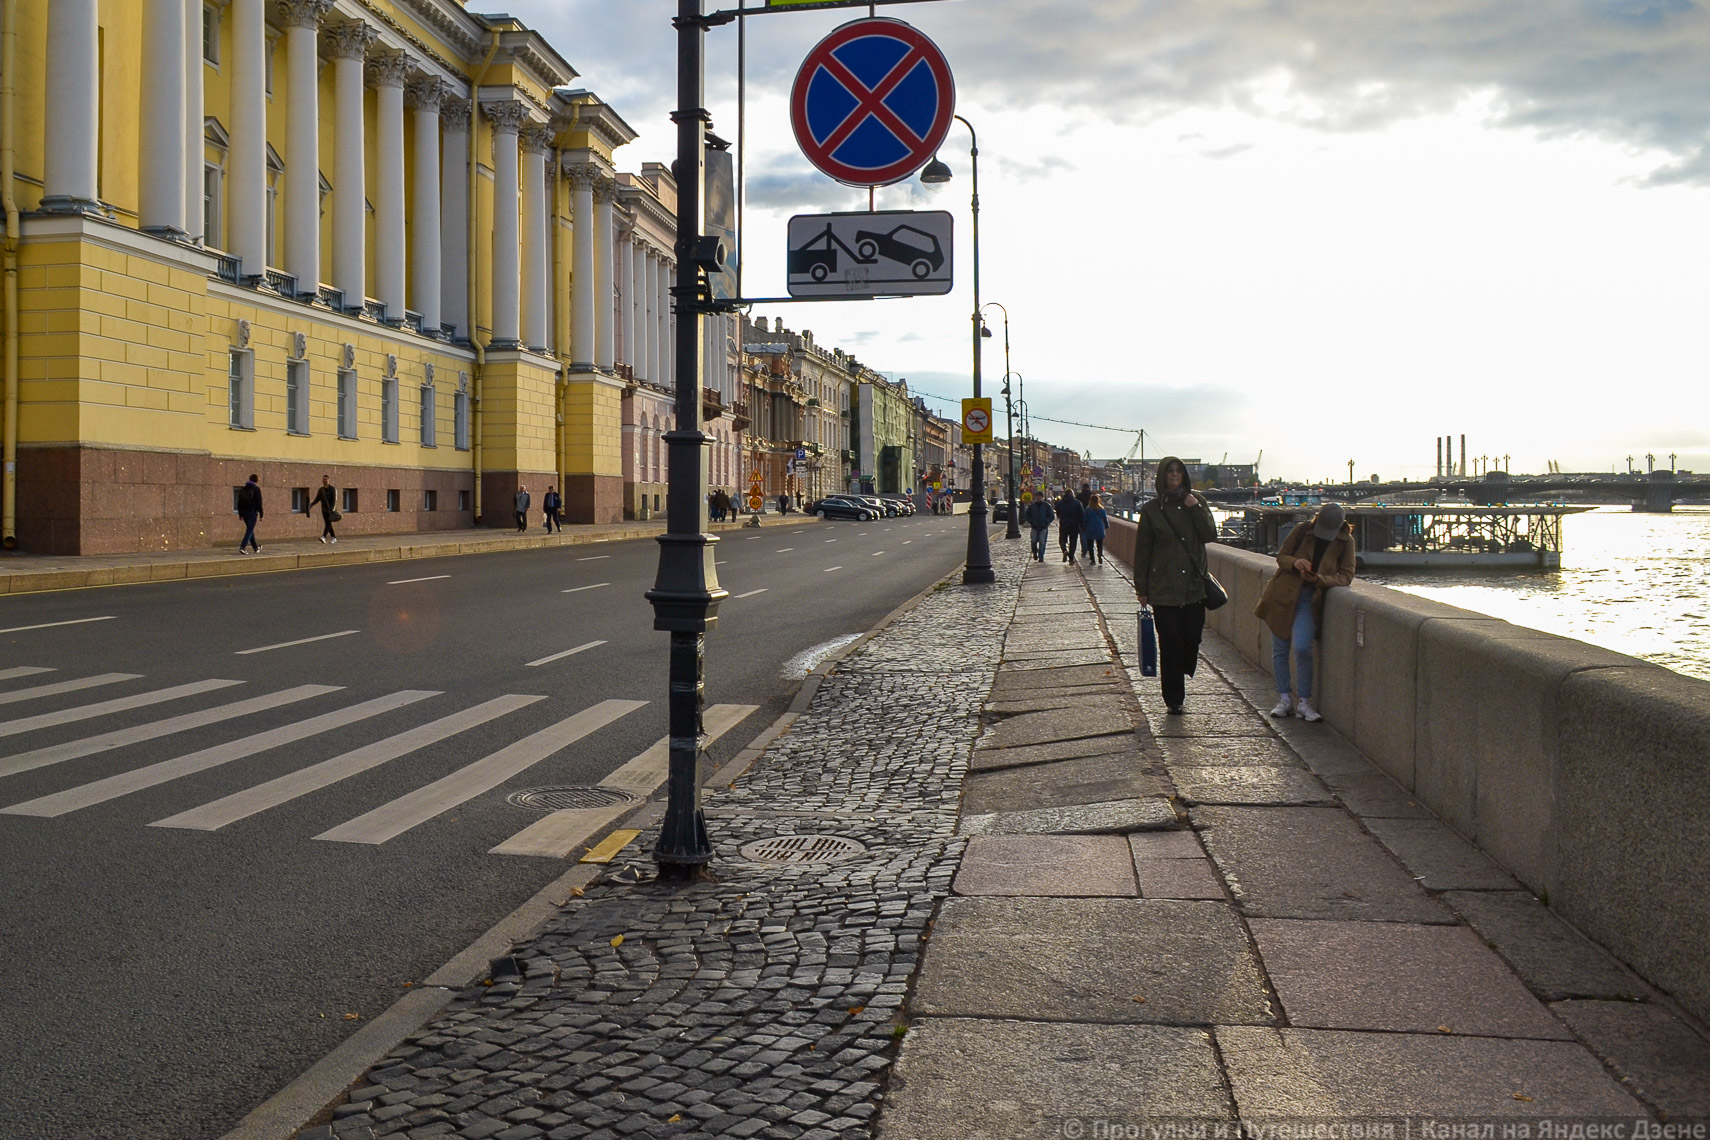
[382, 240]
[882, 429]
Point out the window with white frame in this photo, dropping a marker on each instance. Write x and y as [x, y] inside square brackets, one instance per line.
[297, 397]
[240, 388]
[347, 403]
[429, 426]
[211, 34]
[267, 61]
[389, 410]
[212, 176]
[275, 178]
[460, 414]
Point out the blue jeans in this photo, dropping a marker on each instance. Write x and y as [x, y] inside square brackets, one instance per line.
[248, 538]
[1304, 632]
[1039, 533]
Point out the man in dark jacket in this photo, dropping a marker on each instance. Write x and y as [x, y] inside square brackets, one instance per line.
[326, 498]
[1069, 517]
[1039, 516]
[249, 510]
[1084, 498]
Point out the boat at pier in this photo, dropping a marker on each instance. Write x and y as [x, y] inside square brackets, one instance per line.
[1420, 535]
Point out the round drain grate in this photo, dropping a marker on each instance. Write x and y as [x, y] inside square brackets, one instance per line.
[558, 799]
[802, 849]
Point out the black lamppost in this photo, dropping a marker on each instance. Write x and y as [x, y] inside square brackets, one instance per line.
[979, 562]
[1013, 530]
[686, 593]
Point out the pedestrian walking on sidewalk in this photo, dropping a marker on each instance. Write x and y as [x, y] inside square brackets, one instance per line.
[522, 508]
[551, 504]
[1039, 517]
[326, 497]
[1169, 561]
[723, 507]
[1070, 515]
[1085, 497]
[1316, 556]
[249, 510]
[1093, 529]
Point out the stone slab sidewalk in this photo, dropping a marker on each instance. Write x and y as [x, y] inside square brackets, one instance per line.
[30, 573]
[1033, 905]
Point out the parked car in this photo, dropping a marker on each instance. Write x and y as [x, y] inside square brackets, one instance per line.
[885, 507]
[842, 507]
[1000, 511]
[905, 504]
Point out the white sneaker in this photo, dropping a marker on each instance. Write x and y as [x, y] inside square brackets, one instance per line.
[323, 540]
[1285, 706]
[1306, 712]
[334, 540]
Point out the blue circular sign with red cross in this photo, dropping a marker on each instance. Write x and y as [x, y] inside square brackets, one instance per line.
[872, 102]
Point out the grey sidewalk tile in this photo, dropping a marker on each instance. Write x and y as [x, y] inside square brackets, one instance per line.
[1058, 659]
[987, 759]
[1166, 845]
[1310, 862]
[1179, 879]
[1397, 977]
[1072, 675]
[1249, 784]
[1016, 646]
[1374, 796]
[1107, 718]
[1228, 751]
[1115, 817]
[1219, 704]
[959, 1079]
[1063, 783]
[1326, 751]
[1442, 860]
[1659, 1057]
[1308, 1072]
[1553, 959]
[1042, 700]
[1090, 960]
[1057, 866]
[1194, 722]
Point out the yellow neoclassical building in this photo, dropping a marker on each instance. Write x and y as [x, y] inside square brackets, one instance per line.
[380, 240]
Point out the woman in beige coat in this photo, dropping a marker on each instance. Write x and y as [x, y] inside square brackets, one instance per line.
[1316, 555]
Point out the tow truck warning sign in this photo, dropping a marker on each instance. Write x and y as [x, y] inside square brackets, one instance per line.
[886, 254]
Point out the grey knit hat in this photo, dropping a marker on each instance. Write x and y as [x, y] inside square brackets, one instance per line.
[1327, 524]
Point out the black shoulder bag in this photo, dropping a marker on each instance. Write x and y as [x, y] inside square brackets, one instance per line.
[1216, 597]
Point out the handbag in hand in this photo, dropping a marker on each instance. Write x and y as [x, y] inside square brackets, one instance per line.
[1216, 597]
[337, 516]
[1148, 643]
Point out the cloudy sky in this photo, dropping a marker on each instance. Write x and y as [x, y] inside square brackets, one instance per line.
[1323, 229]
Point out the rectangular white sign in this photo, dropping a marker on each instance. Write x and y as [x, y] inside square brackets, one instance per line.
[885, 254]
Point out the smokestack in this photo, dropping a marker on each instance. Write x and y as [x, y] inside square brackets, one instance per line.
[1463, 456]
[1439, 474]
[1448, 455]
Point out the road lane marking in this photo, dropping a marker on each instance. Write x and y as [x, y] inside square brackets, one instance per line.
[566, 653]
[120, 704]
[22, 671]
[52, 624]
[593, 558]
[876, 553]
[785, 549]
[393, 819]
[831, 540]
[299, 641]
[292, 785]
[123, 784]
[579, 589]
[556, 836]
[72, 750]
[751, 593]
[65, 687]
[906, 541]
[429, 578]
[829, 569]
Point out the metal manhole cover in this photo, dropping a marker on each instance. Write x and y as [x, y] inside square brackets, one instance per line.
[802, 849]
[558, 799]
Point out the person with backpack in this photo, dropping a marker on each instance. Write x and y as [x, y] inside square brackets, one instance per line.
[552, 504]
[1039, 517]
[326, 497]
[1317, 555]
[249, 510]
[1169, 565]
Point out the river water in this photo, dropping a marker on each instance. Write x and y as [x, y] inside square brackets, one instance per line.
[1635, 583]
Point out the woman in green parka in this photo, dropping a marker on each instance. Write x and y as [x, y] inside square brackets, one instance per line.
[1169, 555]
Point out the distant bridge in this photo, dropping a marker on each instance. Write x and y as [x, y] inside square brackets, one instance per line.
[1656, 491]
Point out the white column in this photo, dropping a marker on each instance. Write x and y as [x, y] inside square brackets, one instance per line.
[454, 217]
[302, 142]
[667, 372]
[160, 185]
[647, 320]
[626, 303]
[194, 131]
[583, 284]
[507, 119]
[390, 70]
[424, 205]
[536, 140]
[348, 44]
[636, 311]
[247, 174]
[605, 302]
[73, 106]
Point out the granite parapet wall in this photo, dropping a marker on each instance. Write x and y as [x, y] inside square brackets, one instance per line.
[1584, 772]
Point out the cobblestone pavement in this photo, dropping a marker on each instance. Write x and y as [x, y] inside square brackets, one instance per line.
[766, 1000]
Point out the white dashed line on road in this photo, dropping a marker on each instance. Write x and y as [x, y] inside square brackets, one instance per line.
[566, 653]
[579, 589]
[51, 624]
[429, 578]
[299, 641]
[750, 593]
[876, 553]
[785, 550]
[593, 558]
[829, 569]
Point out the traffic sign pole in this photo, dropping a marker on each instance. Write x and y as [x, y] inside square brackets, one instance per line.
[979, 564]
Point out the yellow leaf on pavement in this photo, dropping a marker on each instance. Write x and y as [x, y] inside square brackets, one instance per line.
[618, 941]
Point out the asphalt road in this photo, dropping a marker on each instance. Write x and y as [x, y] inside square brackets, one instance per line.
[161, 981]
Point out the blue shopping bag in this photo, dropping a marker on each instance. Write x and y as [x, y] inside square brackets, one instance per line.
[1148, 643]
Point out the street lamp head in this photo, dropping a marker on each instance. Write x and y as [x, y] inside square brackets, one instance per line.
[985, 330]
[935, 173]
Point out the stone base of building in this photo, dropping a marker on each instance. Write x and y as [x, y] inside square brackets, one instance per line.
[593, 498]
[499, 497]
[86, 500]
[643, 500]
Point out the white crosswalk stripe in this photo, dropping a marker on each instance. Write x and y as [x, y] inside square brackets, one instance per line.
[58, 687]
[71, 750]
[242, 805]
[123, 784]
[22, 671]
[400, 815]
[120, 704]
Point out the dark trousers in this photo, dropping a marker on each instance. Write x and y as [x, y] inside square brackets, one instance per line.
[552, 520]
[1091, 545]
[248, 538]
[1179, 631]
[522, 521]
[326, 525]
[1071, 537]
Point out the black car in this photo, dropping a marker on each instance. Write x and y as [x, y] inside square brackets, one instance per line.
[839, 507]
[901, 502]
[1000, 511]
